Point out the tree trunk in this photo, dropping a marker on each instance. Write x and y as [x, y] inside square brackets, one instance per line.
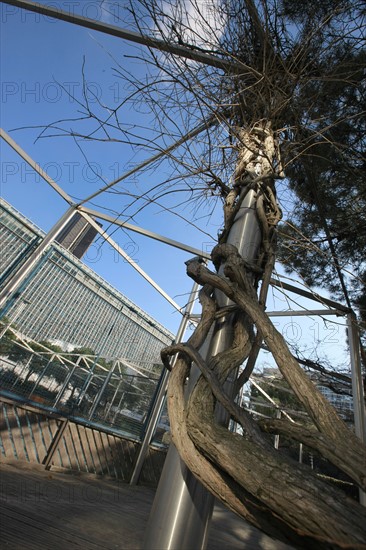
[278, 495]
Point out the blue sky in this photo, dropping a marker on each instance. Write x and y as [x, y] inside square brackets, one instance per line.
[41, 71]
[42, 62]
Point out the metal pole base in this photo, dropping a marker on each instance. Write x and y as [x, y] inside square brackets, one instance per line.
[184, 522]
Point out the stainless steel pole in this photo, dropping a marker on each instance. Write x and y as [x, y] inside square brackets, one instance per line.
[357, 387]
[182, 507]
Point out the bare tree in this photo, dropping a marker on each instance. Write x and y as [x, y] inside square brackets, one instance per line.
[261, 103]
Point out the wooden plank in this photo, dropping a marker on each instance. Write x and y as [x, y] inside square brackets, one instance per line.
[62, 454]
[55, 426]
[3, 425]
[27, 436]
[114, 455]
[31, 441]
[15, 434]
[85, 448]
[117, 462]
[130, 448]
[69, 439]
[46, 431]
[126, 452]
[54, 454]
[65, 453]
[35, 426]
[93, 437]
[103, 451]
[74, 429]
[2, 449]
[91, 450]
[37, 533]
[49, 429]
[7, 440]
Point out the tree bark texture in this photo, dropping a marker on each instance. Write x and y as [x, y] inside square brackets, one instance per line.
[283, 498]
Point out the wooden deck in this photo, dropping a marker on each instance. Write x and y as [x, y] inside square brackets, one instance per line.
[51, 510]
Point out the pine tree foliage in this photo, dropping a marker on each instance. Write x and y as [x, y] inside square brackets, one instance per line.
[325, 239]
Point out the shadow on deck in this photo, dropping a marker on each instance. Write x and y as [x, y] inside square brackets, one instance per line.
[48, 509]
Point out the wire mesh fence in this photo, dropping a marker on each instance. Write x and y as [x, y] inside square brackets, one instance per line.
[112, 393]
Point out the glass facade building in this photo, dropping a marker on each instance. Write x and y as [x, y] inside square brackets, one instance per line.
[62, 299]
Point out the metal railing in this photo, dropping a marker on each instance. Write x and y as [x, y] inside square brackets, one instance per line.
[49, 440]
[114, 393]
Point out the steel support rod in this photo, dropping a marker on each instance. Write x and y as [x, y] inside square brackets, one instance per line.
[17, 279]
[102, 390]
[55, 443]
[211, 121]
[38, 381]
[66, 382]
[269, 398]
[36, 167]
[305, 313]
[357, 386]
[297, 313]
[112, 400]
[160, 395]
[145, 232]
[182, 508]
[149, 41]
[23, 369]
[130, 260]
[311, 295]
[277, 436]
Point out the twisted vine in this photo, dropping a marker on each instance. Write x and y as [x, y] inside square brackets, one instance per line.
[244, 471]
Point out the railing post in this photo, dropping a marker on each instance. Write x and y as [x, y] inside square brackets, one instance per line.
[42, 375]
[54, 444]
[102, 390]
[66, 381]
